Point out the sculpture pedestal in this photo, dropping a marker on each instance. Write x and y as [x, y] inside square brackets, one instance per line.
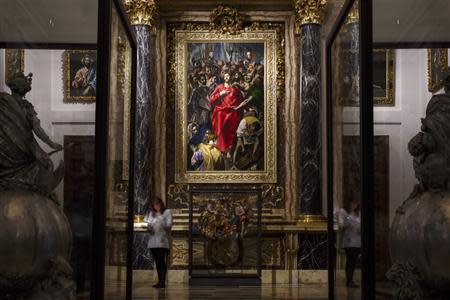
[420, 245]
[35, 245]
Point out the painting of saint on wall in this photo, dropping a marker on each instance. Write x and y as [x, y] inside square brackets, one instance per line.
[225, 107]
[80, 75]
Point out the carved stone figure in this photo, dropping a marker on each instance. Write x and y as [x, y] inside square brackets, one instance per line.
[422, 222]
[406, 276]
[23, 163]
[431, 147]
[35, 240]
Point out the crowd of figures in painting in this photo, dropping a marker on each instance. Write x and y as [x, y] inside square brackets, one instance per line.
[225, 106]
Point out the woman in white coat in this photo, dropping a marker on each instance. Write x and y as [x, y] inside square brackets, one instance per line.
[350, 226]
[159, 224]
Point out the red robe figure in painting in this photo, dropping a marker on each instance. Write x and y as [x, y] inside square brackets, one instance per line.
[226, 99]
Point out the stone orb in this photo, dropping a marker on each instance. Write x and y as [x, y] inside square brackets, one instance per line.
[421, 235]
[33, 231]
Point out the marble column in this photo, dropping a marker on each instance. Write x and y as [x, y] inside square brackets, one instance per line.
[142, 14]
[351, 56]
[142, 157]
[309, 16]
[310, 124]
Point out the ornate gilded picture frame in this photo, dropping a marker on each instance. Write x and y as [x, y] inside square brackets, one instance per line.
[14, 62]
[225, 106]
[79, 76]
[384, 77]
[437, 62]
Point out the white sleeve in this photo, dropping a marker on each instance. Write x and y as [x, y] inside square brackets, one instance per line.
[147, 217]
[167, 219]
[342, 218]
[241, 128]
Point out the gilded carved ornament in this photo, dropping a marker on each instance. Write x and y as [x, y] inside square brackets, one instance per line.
[270, 252]
[272, 195]
[179, 194]
[353, 15]
[142, 12]
[226, 19]
[309, 11]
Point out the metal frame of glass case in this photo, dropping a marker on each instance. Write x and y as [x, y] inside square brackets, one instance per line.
[366, 132]
[103, 41]
[104, 38]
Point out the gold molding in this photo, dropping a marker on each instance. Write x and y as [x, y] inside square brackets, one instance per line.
[177, 73]
[309, 12]
[278, 225]
[142, 12]
[138, 218]
[226, 20]
[279, 28]
[353, 15]
[433, 87]
[307, 219]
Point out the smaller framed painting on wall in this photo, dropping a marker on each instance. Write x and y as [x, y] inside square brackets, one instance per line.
[437, 63]
[79, 76]
[384, 77]
[14, 62]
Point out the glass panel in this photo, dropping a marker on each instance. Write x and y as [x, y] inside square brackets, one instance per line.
[60, 113]
[411, 138]
[346, 159]
[49, 21]
[117, 161]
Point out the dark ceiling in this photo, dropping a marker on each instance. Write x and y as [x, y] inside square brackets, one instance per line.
[64, 21]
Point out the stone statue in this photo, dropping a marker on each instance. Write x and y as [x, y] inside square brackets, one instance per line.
[23, 163]
[36, 239]
[422, 222]
[431, 147]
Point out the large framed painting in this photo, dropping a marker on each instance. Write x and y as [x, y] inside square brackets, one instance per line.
[79, 76]
[14, 62]
[437, 63]
[225, 106]
[384, 77]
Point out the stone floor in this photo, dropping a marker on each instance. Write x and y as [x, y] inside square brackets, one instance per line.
[266, 291]
[285, 292]
[219, 293]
